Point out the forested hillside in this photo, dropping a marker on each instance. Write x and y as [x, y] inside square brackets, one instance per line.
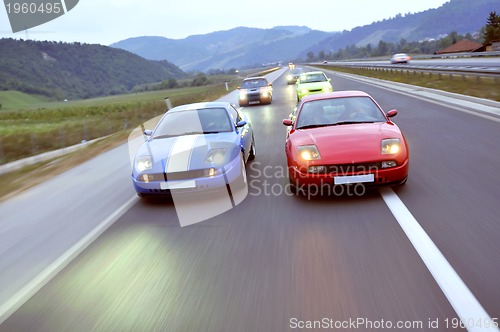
[65, 71]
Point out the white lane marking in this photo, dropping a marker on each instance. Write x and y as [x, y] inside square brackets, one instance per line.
[180, 155]
[25, 293]
[458, 294]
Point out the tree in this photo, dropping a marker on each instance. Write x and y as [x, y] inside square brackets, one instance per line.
[310, 56]
[492, 29]
[199, 80]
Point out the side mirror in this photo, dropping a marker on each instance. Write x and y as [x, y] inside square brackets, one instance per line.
[239, 88]
[148, 132]
[329, 79]
[287, 122]
[392, 113]
[241, 124]
[270, 84]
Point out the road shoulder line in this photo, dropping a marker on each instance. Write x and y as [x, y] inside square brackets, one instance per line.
[458, 294]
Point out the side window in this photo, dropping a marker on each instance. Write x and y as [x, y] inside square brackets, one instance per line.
[234, 114]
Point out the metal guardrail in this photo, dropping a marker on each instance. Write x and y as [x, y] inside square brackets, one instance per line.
[423, 69]
[438, 69]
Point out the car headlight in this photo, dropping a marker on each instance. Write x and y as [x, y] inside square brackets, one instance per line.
[390, 146]
[243, 95]
[216, 156]
[143, 163]
[327, 89]
[264, 93]
[308, 152]
[304, 91]
[289, 77]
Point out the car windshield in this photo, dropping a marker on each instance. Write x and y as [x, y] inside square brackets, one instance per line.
[313, 77]
[253, 83]
[337, 111]
[201, 121]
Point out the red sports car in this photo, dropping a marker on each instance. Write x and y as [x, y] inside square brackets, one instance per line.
[343, 138]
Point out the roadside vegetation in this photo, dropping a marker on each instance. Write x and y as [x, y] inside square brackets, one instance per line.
[27, 132]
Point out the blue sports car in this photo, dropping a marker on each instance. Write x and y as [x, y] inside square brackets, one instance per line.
[198, 147]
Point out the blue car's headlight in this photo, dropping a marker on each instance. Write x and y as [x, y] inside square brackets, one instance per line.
[143, 163]
[216, 157]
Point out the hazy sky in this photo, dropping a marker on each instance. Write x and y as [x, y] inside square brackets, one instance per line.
[108, 21]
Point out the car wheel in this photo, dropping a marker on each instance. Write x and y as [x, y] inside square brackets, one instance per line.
[252, 150]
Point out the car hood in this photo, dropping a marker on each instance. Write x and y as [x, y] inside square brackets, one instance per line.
[313, 85]
[189, 152]
[350, 143]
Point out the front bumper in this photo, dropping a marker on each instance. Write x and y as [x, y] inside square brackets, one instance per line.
[230, 174]
[381, 176]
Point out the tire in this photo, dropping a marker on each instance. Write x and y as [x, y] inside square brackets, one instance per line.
[253, 152]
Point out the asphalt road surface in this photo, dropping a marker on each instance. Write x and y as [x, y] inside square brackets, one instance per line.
[278, 262]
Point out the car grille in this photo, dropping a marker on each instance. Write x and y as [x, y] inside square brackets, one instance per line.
[345, 169]
[177, 175]
[316, 90]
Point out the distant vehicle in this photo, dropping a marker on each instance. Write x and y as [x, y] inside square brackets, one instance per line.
[291, 65]
[313, 82]
[194, 148]
[325, 62]
[400, 58]
[341, 138]
[255, 90]
[293, 75]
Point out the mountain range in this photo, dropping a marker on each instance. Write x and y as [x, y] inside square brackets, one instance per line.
[66, 71]
[245, 47]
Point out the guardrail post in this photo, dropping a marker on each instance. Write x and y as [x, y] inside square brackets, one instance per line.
[1, 153]
[34, 147]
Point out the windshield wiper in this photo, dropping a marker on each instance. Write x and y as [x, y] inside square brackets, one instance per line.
[211, 132]
[316, 125]
[163, 136]
[352, 122]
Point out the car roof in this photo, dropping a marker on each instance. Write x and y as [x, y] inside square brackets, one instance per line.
[335, 94]
[197, 106]
[255, 78]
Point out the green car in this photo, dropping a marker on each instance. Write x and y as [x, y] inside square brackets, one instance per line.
[313, 82]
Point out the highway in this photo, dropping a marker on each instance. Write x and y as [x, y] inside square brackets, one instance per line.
[81, 253]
